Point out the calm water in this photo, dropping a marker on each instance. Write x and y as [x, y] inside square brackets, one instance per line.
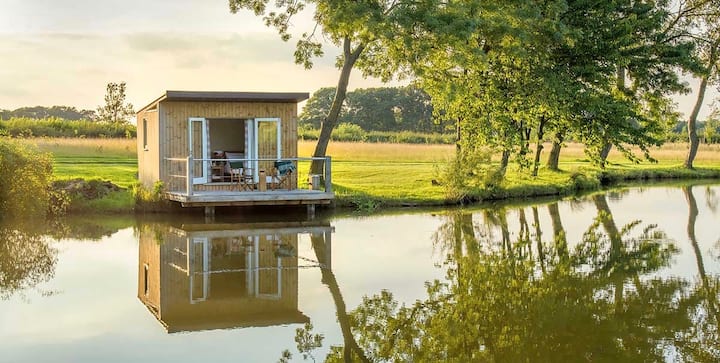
[631, 275]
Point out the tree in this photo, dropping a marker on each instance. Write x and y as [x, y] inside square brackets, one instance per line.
[353, 26]
[115, 109]
[700, 19]
[376, 109]
[317, 107]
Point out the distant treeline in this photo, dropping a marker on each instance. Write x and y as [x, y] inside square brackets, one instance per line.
[354, 133]
[58, 127]
[708, 131]
[41, 112]
[378, 109]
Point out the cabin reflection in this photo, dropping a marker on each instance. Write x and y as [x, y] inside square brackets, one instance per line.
[220, 276]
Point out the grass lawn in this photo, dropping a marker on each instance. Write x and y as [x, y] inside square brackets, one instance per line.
[106, 159]
[390, 173]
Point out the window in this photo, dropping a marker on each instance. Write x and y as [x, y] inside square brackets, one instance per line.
[144, 135]
[145, 278]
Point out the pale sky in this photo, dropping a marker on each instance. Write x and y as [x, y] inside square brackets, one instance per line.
[64, 52]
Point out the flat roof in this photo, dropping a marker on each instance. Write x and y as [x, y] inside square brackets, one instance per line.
[224, 96]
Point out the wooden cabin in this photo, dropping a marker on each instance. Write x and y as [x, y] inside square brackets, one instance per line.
[220, 276]
[223, 149]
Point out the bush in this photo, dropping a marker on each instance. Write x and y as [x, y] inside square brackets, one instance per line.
[469, 172]
[349, 132]
[25, 175]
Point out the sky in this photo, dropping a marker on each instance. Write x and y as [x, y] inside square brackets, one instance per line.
[64, 52]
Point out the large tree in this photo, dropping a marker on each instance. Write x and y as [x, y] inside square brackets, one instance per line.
[700, 21]
[353, 26]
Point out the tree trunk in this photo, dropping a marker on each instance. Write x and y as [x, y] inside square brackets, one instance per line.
[692, 120]
[558, 231]
[328, 125]
[554, 157]
[620, 78]
[692, 217]
[692, 124]
[504, 161]
[616, 249]
[328, 278]
[458, 137]
[604, 152]
[539, 146]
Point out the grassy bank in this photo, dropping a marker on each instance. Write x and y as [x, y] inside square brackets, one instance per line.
[368, 175]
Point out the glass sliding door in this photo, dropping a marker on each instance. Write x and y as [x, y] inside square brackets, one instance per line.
[266, 144]
[198, 149]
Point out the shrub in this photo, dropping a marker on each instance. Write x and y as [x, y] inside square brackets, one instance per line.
[468, 172]
[349, 132]
[25, 175]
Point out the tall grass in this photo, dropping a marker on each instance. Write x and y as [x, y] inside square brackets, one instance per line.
[88, 147]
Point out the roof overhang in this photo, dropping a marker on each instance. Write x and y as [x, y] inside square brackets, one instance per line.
[216, 96]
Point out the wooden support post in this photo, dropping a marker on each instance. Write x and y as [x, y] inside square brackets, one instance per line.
[328, 175]
[189, 176]
[311, 211]
[210, 212]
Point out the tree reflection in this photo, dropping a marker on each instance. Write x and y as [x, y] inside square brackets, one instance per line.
[701, 343]
[26, 259]
[594, 302]
[512, 299]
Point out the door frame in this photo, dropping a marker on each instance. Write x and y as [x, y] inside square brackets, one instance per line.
[203, 179]
[254, 144]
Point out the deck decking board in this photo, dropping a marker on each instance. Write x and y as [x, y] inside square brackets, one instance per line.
[253, 198]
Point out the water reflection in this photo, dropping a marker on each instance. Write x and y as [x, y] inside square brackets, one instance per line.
[624, 276]
[26, 258]
[217, 276]
[511, 296]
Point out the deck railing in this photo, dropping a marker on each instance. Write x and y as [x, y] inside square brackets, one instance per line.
[181, 171]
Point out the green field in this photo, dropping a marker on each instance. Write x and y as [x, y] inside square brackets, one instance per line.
[391, 174]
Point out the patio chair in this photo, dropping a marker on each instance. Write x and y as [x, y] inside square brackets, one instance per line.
[282, 174]
[239, 174]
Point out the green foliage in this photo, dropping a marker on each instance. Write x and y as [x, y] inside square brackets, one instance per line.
[349, 132]
[147, 200]
[56, 127]
[26, 258]
[468, 172]
[316, 108]
[377, 109]
[307, 341]
[40, 112]
[115, 110]
[395, 137]
[25, 175]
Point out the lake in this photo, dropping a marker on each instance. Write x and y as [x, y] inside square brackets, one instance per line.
[627, 275]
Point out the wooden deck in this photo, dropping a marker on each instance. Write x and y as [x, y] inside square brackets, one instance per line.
[251, 198]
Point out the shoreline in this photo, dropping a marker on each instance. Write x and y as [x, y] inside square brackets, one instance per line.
[578, 182]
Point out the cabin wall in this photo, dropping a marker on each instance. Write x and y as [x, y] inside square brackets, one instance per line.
[149, 255]
[148, 147]
[174, 117]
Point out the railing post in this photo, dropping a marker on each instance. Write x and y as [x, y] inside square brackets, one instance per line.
[328, 175]
[189, 176]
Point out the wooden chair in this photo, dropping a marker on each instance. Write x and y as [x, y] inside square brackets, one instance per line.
[239, 174]
[282, 174]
